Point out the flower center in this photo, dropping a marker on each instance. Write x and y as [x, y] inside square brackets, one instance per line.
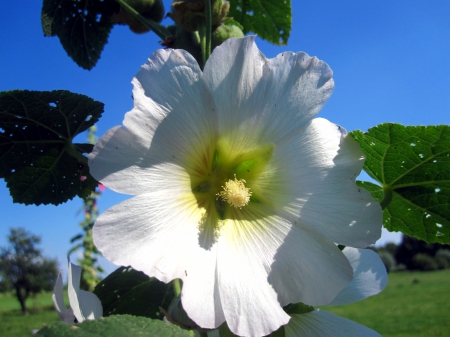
[235, 193]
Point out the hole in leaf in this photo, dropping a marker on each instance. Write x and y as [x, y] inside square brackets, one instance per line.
[439, 225]
[420, 155]
[2, 131]
[413, 144]
[439, 233]
[437, 190]
[435, 161]
[428, 216]
[53, 104]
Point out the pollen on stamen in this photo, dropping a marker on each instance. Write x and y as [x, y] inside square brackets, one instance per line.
[235, 193]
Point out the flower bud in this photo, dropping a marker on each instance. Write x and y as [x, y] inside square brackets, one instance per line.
[149, 9]
[182, 39]
[188, 13]
[224, 32]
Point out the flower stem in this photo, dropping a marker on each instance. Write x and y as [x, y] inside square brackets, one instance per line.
[205, 33]
[387, 197]
[159, 30]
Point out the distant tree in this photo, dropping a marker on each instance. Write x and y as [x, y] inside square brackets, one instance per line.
[391, 248]
[410, 247]
[24, 267]
[388, 260]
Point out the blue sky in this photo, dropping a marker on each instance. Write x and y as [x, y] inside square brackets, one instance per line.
[390, 61]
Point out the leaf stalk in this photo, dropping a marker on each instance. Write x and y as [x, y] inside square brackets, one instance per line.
[387, 196]
[158, 29]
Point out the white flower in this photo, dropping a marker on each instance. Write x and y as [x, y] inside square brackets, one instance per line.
[369, 279]
[83, 304]
[238, 191]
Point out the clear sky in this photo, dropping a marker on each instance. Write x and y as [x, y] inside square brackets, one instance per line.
[390, 61]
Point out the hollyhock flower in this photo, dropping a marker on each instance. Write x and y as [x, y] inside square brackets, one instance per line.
[83, 304]
[238, 191]
[369, 279]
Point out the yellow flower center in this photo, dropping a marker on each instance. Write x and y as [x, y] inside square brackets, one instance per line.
[235, 193]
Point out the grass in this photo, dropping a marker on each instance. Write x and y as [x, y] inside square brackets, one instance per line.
[414, 304]
[15, 324]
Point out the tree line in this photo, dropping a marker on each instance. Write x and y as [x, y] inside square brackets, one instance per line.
[414, 254]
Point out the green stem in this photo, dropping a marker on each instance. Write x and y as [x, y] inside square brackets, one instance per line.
[206, 33]
[159, 30]
[387, 197]
[177, 287]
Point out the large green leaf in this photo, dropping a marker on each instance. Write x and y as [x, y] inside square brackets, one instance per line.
[37, 158]
[127, 291]
[82, 26]
[117, 326]
[270, 19]
[412, 165]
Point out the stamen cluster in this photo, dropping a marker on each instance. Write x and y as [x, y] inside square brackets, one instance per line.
[235, 193]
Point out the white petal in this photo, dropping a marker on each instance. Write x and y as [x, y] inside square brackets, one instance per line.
[249, 302]
[268, 262]
[73, 288]
[157, 233]
[66, 315]
[308, 269]
[369, 276]
[85, 305]
[259, 98]
[90, 305]
[170, 129]
[319, 323]
[313, 181]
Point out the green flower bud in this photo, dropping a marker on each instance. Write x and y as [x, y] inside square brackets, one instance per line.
[224, 32]
[182, 39]
[149, 9]
[188, 13]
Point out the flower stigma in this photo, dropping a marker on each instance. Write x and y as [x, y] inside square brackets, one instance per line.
[235, 193]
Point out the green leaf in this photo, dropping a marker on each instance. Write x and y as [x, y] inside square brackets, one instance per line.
[412, 165]
[127, 291]
[82, 26]
[270, 19]
[298, 308]
[37, 159]
[117, 326]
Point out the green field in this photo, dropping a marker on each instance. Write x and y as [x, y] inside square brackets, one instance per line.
[413, 304]
[14, 324]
